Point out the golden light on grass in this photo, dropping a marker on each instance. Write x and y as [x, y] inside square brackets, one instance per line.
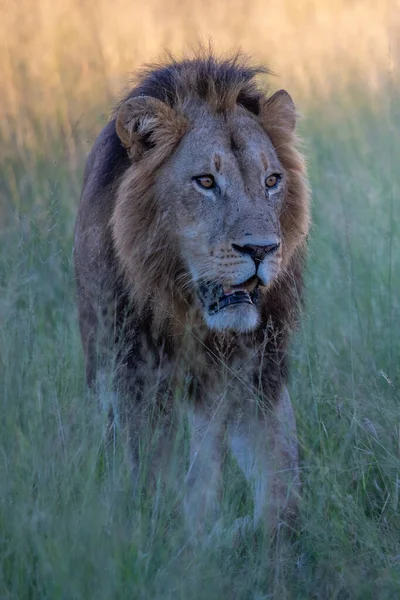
[63, 57]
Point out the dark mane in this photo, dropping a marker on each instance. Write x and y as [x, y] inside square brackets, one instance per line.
[220, 83]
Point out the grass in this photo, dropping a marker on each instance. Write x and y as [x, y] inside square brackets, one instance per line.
[71, 526]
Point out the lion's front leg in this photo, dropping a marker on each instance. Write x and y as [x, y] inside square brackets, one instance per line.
[203, 477]
[265, 447]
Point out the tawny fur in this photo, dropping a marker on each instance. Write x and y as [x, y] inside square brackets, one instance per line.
[139, 315]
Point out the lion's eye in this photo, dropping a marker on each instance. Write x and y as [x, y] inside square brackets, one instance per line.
[272, 180]
[205, 181]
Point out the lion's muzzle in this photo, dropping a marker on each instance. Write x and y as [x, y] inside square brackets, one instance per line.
[258, 253]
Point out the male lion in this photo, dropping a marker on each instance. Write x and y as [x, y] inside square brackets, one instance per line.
[189, 250]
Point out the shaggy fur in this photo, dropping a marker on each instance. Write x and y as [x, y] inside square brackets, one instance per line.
[139, 311]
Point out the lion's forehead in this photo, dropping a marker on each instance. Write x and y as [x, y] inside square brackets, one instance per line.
[248, 133]
[235, 144]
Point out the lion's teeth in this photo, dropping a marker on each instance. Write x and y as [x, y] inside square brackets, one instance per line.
[246, 289]
[228, 291]
[252, 286]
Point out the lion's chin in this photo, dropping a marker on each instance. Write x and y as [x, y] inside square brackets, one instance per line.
[241, 318]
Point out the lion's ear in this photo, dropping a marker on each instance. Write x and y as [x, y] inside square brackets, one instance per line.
[280, 109]
[143, 123]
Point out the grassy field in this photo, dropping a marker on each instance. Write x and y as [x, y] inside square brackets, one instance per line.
[70, 525]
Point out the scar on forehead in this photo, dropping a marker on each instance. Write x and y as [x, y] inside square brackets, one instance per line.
[264, 160]
[217, 161]
[234, 144]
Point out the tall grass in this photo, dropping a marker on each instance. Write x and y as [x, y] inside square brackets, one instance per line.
[71, 526]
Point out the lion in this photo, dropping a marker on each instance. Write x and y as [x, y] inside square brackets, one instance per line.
[189, 254]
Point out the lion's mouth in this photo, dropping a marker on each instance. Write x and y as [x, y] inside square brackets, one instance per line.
[217, 297]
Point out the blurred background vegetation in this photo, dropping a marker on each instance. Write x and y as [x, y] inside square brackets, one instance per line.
[62, 63]
[70, 525]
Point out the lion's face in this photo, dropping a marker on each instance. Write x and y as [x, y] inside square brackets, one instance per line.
[225, 186]
[214, 206]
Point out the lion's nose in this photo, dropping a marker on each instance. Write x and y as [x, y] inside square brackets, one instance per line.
[258, 252]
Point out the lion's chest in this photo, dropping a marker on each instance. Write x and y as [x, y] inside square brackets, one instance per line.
[204, 372]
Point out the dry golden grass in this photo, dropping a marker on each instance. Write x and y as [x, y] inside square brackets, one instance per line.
[64, 59]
